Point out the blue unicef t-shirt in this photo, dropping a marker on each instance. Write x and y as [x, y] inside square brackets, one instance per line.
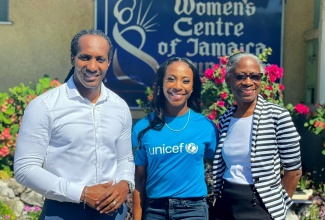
[175, 160]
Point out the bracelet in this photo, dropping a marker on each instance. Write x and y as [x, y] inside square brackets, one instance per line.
[85, 196]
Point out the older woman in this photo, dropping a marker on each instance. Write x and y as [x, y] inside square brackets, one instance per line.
[257, 141]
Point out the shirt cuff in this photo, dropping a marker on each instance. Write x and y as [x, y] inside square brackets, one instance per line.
[125, 176]
[74, 192]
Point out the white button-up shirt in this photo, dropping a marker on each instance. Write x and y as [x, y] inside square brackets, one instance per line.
[65, 143]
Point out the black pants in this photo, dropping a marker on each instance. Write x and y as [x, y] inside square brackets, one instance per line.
[240, 202]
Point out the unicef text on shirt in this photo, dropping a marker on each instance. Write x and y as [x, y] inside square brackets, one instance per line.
[190, 148]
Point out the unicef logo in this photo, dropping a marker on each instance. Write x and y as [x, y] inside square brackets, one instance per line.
[191, 148]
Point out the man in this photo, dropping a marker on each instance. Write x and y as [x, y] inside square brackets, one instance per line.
[74, 143]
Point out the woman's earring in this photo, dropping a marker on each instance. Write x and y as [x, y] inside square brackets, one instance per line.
[158, 91]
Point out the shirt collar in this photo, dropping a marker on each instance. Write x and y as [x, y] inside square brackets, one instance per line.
[73, 92]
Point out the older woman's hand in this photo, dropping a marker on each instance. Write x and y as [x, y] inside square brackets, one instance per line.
[290, 180]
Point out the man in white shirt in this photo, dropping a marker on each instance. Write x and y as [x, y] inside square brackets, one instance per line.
[74, 143]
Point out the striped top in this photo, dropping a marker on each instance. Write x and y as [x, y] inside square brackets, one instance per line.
[275, 146]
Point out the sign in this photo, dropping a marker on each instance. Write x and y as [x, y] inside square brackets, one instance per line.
[147, 32]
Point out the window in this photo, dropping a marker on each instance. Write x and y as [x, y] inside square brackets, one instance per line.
[311, 77]
[4, 12]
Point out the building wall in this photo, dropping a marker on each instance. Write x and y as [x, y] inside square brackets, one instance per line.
[299, 18]
[38, 41]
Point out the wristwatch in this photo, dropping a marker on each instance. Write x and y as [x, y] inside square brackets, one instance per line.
[131, 186]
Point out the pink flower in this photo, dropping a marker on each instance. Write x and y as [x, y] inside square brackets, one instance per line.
[203, 80]
[221, 103]
[36, 208]
[223, 72]
[281, 87]
[223, 95]
[301, 109]
[216, 66]
[27, 208]
[209, 73]
[213, 115]
[223, 60]
[219, 81]
[4, 151]
[6, 134]
[269, 88]
[274, 72]
[54, 83]
[221, 76]
[150, 97]
[272, 78]
[13, 118]
[3, 108]
[319, 124]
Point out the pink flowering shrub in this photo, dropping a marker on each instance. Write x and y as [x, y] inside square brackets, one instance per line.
[274, 72]
[33, 213]
[217, 97]
[12, 107]
[301, 109]
[316, 122]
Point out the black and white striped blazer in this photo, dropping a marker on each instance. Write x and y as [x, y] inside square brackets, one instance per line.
[275, 146]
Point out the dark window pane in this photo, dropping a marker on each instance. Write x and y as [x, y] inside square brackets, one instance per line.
[4, 8]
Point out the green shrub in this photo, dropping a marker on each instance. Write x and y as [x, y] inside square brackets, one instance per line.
[6, 212]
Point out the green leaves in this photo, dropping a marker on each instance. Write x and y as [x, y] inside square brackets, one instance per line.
[12, 106]
[145, 105]
[6, 212]
[264, 56]
[316, 122]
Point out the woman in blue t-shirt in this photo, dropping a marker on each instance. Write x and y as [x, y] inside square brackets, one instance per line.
[170, 145]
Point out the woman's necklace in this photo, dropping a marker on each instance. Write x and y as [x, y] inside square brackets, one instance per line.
[188, 119]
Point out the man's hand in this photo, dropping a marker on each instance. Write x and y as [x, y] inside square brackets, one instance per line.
[94, 193]
[113, 198]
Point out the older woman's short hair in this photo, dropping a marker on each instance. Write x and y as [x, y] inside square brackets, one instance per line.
[235, 58]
